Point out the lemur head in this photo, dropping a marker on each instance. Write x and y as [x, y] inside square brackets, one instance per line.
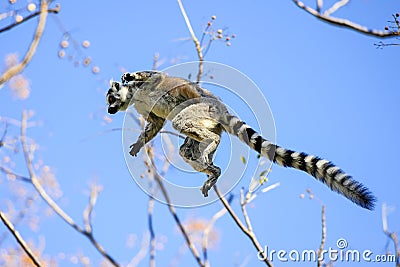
[118, 97]
[120, 94]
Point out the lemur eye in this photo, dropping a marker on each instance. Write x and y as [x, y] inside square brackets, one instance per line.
[111, 99]
[116, 86]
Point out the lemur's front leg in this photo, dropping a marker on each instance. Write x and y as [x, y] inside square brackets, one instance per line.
[150, 131]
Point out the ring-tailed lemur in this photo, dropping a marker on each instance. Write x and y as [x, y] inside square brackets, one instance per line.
[202, 117]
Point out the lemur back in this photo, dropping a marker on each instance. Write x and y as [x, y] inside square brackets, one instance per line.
[202, 117]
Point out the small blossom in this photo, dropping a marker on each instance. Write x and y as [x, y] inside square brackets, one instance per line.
[20, 86]
[95, 69]
[86, 44]
[11, 60]
[31, 7]
[61, 53]
[18, 18]
[64, 44]
[87, 61]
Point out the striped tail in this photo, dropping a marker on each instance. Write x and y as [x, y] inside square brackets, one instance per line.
[323, 170]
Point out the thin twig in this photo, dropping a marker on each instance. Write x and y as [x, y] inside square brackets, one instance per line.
[12, 71]
[195, 40]
[391, 235]
[171, 208]
[181, 136]
[323, 238]
[246, 231]
[87, 213]
[150, 210]
[53, 205]
[207, 231]
[141, 253]
[335, 7]
[382, 44]
[9, 27]
[244, 211]
[2, 143]
[250, 198]
[19, 239]
[19, 217]
[155, 61]
[345, 23]
[13, 174]
[108, 131]
[319, 5]
[35, 182]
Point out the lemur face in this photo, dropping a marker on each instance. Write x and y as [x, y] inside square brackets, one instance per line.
[118, 97]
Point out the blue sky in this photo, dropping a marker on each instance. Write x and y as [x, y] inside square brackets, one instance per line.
[331, 92]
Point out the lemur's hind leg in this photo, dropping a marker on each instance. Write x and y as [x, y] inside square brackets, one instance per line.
[204, 135]
[192, 152]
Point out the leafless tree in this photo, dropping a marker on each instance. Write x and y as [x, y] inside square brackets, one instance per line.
[42, 182]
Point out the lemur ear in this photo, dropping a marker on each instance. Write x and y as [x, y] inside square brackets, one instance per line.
[111, 82]
[127, 77]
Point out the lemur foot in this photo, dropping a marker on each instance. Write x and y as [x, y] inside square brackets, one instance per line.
[135, 148]
[212, 179]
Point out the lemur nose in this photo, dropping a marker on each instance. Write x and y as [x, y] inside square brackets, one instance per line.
[112, 109]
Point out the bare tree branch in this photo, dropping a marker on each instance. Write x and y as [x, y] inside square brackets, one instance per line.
[141, 253]
[207, 231]
[150, 210]
[12, 71]
[320, 3]
[2, 143]
[13, 174]
[323, 237]
[155, 61]
[171, 208]
[382, 44]
[87, 213]
[19, 239]
[336, 6]
[344, 22]
[19, 217]
[9, 27]
[53, 205]
[245, 230]
[244, 211]
[195, 40]
[391, 235]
